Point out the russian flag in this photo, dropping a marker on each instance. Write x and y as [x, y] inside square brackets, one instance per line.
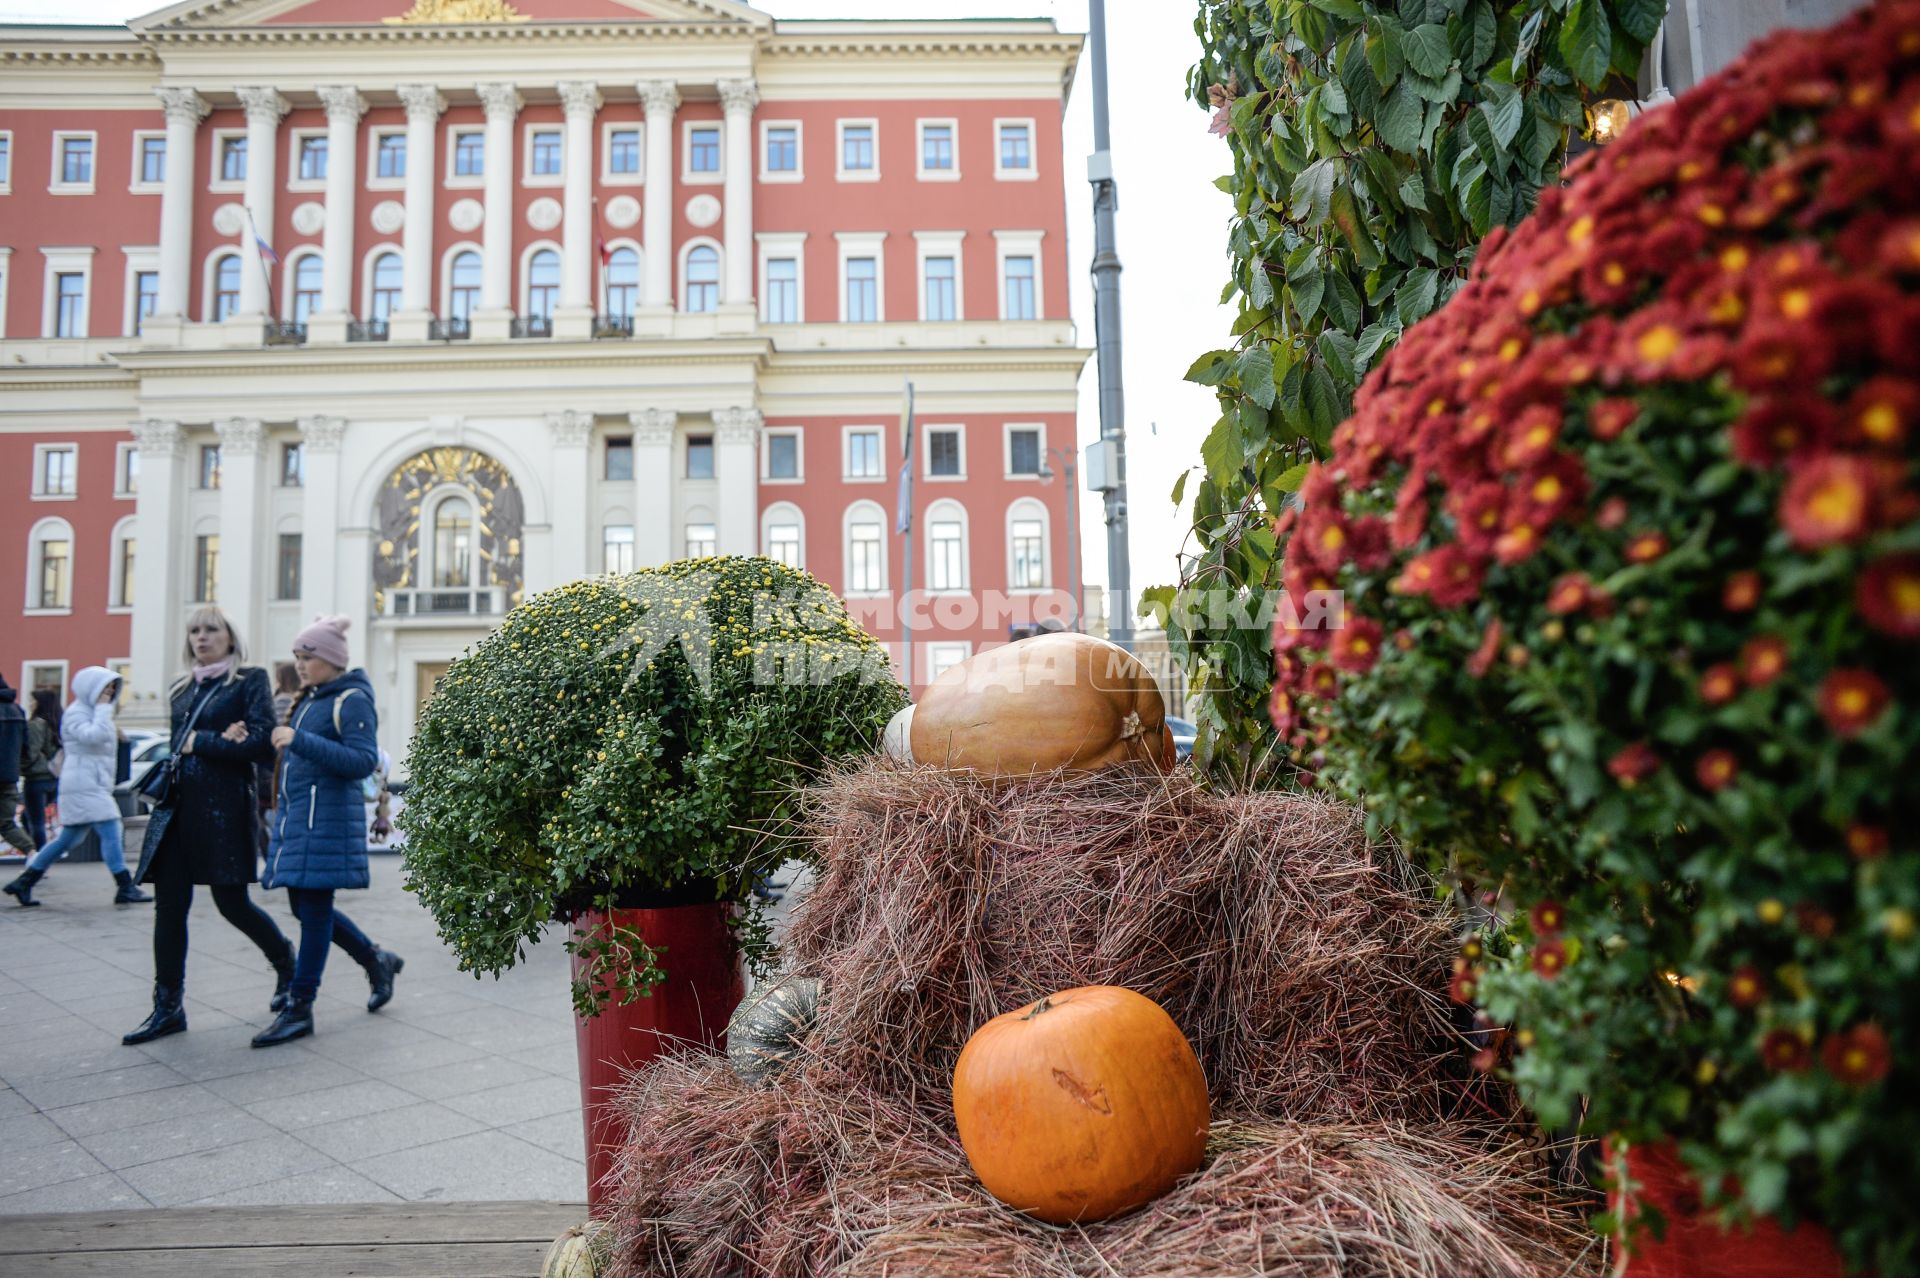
[266, 249]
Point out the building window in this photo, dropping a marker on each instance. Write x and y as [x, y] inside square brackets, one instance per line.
[209, 466]
[76, 161]
[233, 158]
[388, 271]
[206, 568]
[543, 158]
[863, 290]
[616, 547]
[453, 544]
[226, 286]
[146, 296]
[946, 560]
[936, 150]
[543, 284]
[1029, 555]
[940, 289]
[783, 456]
[865, 569]
[469, 154]
[306, 287]
[856, 149]
[702, 540]
[56, 475]
[619, 464]
[313, 158]
[286, 577]
[1016, 148]
[703, 280]
[703, 150]
[699, 457]
[783, 290]
[863, 454]
[943, 452]
[153, 160]
[54, 587]
[783, 543]
[463, 287]
[1019, 300]
[70, 294]
[293, 466]
[390, 155]
[123, 585]
[942, 657]
[622, 282]
[783, 148]
[1023, 451]
[126, 471]
[623, 151]
[6, 161]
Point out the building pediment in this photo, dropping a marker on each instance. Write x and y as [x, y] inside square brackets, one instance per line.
[360, 13]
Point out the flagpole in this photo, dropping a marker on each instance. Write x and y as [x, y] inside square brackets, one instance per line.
[903, 523]
[260, 250]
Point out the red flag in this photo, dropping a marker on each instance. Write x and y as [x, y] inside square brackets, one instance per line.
[600, 246]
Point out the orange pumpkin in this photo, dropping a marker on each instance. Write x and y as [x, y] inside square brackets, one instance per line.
[1060, 700]
[1081, 1106]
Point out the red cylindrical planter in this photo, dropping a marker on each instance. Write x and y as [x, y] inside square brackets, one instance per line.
[704, 984]
[1695, 1246]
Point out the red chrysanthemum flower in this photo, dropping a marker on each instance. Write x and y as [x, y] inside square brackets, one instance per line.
[1547, 918]
[1549, 958]
[1633, 764]
[1717, 769]
[1321, 679]
[1411, 509]
[1644, 548]
[1356, 645]
[1888, 595]
[1463, 986]
[1719, 684]
[1517, 543]
[1851, 700]
[1742, 592]
[1782, 428]
[1882, 412]
[1900, 247]
[1610, 418]
[1478, 512]
[1785, 1051]
[1746, 987]
[1858, 1057]
[1867, 842]
[1828, 502]
[1489, 650]
[1280, 710]
[1531, 437]
[1815, 921]
[1762, 660]
[1553, 488]
[1612, 513]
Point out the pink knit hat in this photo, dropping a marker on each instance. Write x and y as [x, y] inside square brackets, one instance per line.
[326, 639]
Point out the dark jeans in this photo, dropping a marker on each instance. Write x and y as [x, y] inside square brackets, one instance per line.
[173, 898]
[9, 828]
[314, 908]
[40, 796]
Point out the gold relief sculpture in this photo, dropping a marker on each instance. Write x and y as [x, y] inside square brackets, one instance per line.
[499, 516]
[456, 11]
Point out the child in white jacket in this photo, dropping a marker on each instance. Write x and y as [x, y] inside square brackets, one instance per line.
[91, 743]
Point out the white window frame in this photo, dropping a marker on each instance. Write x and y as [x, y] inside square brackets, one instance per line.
[841, 172]
[864, 244]
[686, 255]
[121, 451]
[612, 521]
[1008, 244]
[865, 512]
[446, 274]
[294, 181]
[962, 649]
[210, 274]
[767, 434]
[374, 182]
[607, 176]
[600, 271]
[367, 259]
[289, 265]
[40, 452]
[28, 666]
[430, 540]
[140, 258]
[947, 511]
[122, 528]
[464, 181]
[6, 176]
[136, 183]
[51, 528]
[926, 452]
[786, 512]
[77, 260]
[525, 277]
[1023, 510]
[846, 453]
[799, 171]
[214, 166]
[782, 244]
[56, 185]
[6, 275]
[698, 518]
[941, 244]
[687, 176]
[1032, 172]
[1006, 436]
[920, 169]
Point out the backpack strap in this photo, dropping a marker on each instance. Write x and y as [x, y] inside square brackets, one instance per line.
[337, 702]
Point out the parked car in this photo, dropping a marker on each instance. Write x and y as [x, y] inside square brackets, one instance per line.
[148, 749]
[1184, 732]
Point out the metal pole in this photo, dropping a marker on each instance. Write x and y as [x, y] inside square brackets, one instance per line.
[1073, 539]
[903, 523]
[1106, 327]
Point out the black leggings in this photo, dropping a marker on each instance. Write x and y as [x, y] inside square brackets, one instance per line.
[173, 897]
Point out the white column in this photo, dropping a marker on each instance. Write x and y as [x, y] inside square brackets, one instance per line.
[185, 109]
[424, 105]
[242, 446]
[264, 106]
[570, 433]
[736, 467]
[159, 529]
[574, 316]
[661, 100]
[653, 430]
[496, 250]
[320, 517]
[344, 106]
[737, 99]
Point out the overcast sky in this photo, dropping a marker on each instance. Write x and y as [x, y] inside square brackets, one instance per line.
[1171, 225]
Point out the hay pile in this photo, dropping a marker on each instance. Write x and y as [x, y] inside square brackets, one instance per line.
[1299, 963]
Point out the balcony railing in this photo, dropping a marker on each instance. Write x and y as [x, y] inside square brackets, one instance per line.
[366, 330]
[613, 326]
[531, 326]
[450, 330]
[449, 601]
[284, 333]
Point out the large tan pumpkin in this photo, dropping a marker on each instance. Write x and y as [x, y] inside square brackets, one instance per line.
[1053, 701]
[1081, 1106]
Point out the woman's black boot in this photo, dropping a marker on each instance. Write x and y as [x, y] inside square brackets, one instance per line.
[168, 1017]
[295, 1021]
[129, 893]
[283, 974]
[380, 973]
[22, 887]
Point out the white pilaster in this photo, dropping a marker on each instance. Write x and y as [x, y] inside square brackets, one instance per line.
[661, 99]
[242, 533]
[736, 467]
[653, 430]
[490, 322]
[737, 100]
[158, 551]
[344, 106]
[264, 106]
[574, 316]
[184, 109]
[424, 105]
[320, 517]
[570, 433]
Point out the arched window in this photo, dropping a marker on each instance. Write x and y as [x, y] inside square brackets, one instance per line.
[306, 286]
[783, 534]
[50, 566]
[1028, 561]
[865, 548]
[453, 543]
[946, 546]
[622, 282]
[120, 570]
[543, 284]
[384, 298]
[463, 286]
[703, 279]
[226, 287]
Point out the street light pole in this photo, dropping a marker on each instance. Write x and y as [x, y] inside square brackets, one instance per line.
[1065, 458]
[1111, 479]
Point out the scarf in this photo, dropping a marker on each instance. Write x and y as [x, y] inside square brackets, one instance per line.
[218, 670]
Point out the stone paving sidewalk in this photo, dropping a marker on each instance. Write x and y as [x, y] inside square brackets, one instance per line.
[458, 1089]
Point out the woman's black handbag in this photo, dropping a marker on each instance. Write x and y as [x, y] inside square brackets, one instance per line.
[158, 786]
